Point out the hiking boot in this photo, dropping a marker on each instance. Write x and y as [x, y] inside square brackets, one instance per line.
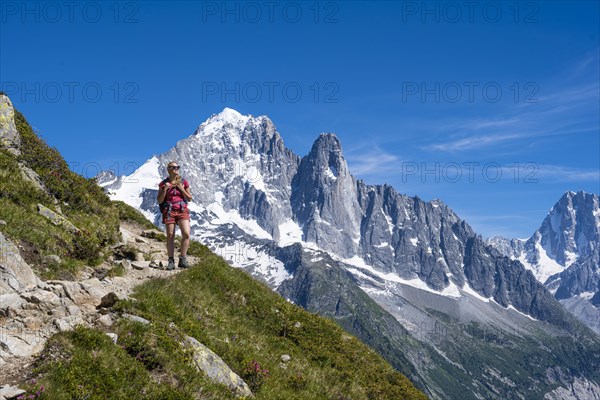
[183, 262]
[171, 265]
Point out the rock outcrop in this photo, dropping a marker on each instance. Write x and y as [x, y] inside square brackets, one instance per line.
[9, 136]
[57, 219]
[15, 273]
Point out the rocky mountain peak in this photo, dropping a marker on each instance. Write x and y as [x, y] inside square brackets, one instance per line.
[509, 247]
[106, 177]
[570, 231]
[232, 132]
[228, 115]
[326, 159]
[563, 253]
[572, 227]
[328, 141]
[325, 200]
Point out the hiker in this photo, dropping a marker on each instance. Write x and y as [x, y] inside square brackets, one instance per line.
[173, 195]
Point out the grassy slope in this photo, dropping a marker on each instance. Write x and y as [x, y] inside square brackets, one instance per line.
[240, 319]
[79, 199]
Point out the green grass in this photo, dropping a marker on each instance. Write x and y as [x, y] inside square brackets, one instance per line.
[128, 213]
[117, 270]
[87, 365]
[241, 320]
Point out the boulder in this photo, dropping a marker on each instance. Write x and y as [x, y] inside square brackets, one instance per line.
[135, 318]
[108, 300]
[205, 360]
[30, 175]
[140, 265]
[57, 219]
[10, 392]
[113, 336]
[285, 358]
[68, 323]
[105, 321]
[15, 273]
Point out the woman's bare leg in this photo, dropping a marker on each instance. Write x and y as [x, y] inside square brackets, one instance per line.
[170, 240]
[184, 225]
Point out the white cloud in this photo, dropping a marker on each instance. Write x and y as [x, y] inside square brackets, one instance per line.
[552, 114]
[372, 161]
[472, 142]
[549, 121]
[567, 174]
[588, 64]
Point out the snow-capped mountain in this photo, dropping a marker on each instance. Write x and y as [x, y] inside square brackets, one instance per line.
[564, 253]
[335, 244]
[570, 231]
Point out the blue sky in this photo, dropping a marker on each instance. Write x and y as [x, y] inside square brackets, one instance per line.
[489, 106]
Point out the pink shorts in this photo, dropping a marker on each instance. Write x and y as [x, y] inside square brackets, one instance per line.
[176, 216]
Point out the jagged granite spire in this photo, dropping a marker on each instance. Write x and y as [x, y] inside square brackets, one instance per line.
[324, 199]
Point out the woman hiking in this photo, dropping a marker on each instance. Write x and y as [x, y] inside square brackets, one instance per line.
[173, 195]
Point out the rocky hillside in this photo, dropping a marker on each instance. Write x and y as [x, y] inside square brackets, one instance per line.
[86, 310]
